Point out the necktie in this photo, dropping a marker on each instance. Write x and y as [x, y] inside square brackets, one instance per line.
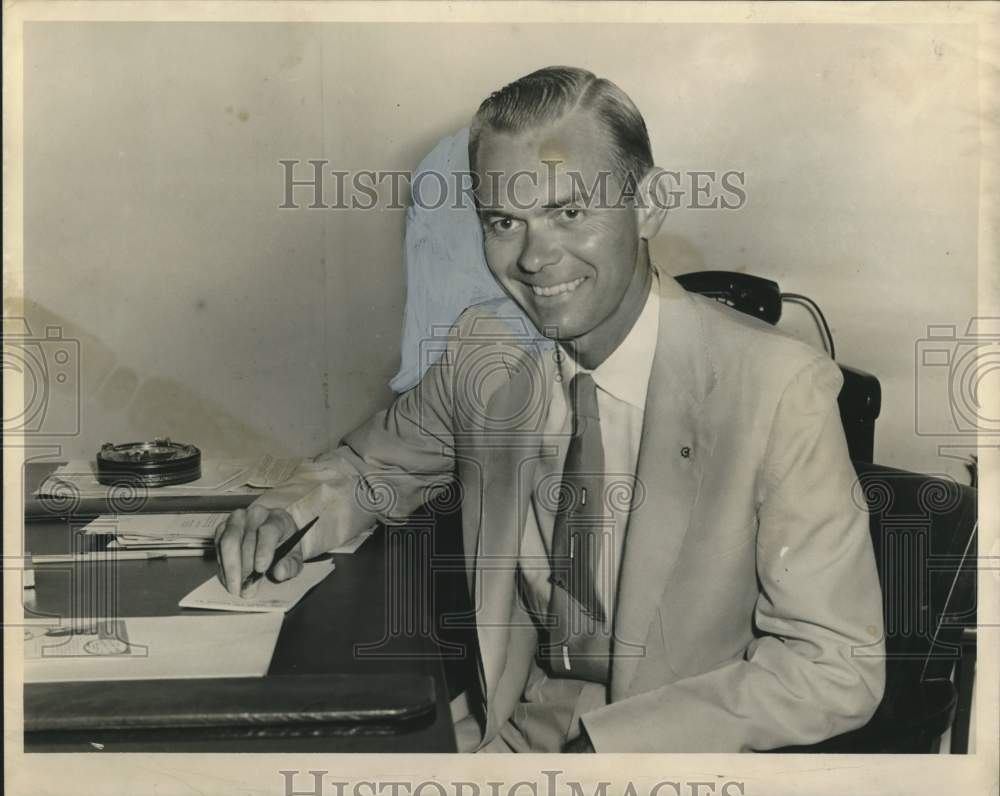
[577, 644]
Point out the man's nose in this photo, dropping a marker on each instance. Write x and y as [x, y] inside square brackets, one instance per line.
[539, 250]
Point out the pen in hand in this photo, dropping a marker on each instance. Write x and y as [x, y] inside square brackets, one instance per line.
[280, 552]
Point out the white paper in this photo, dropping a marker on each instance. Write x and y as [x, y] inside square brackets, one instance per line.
[165, 527]
[351, 545]
[171, 647]
[270, 596]
[270, 471]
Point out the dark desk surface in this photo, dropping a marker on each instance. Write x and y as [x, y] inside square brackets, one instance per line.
[358, 620]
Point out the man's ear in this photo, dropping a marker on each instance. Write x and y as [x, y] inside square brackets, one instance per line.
[652, 201]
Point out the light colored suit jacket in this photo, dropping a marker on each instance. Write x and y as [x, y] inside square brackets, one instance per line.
[748, 613]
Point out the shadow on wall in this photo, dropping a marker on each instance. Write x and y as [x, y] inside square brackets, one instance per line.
[104, 401]
[677, 255]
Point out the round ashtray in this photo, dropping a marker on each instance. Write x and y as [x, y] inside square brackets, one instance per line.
[151, 464]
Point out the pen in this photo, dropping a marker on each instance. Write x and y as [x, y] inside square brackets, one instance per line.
[116, 555]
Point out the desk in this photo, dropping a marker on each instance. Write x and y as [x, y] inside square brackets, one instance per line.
[321, 634]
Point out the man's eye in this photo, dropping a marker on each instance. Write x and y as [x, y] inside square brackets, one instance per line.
[571, 213]
[502, 225]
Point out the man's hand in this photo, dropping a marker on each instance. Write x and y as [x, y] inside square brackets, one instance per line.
[246, 542]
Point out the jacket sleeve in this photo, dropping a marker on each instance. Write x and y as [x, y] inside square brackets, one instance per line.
[816, 666]
[380, 472]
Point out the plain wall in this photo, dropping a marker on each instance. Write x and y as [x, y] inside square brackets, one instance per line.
[152, 184]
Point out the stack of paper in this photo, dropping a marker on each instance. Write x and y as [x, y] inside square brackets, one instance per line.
[155, 531]
[163, 531]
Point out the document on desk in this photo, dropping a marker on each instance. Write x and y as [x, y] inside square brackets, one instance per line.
[270, 597]
[270, 471]
[198, 525]
[150, 648]
[157, 531]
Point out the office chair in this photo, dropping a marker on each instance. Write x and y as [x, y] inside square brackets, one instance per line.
[924, 532]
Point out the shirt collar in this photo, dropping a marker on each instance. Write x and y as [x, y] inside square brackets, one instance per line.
[625, 373]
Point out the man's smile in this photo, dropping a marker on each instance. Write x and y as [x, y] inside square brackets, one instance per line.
[558, 289]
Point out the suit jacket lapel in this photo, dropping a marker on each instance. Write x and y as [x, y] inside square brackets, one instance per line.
[676, 444]
[508, 457]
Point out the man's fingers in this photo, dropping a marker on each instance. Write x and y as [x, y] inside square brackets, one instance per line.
[269, 536]
[228, 551]
[279, 527]
[257, 519]
[248, 546]
[289, 566]
[218, 555]
[256, 516]
[246, 542]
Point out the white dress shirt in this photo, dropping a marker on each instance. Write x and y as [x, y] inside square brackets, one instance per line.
[622, 380]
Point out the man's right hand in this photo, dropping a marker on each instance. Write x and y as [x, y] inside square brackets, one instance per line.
[245, 542]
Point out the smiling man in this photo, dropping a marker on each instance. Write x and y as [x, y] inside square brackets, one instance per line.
[658, 518]
[559, 235]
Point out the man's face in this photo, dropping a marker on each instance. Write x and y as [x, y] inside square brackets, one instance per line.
[566, 261]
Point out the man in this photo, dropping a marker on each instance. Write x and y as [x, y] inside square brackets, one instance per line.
[660, 535]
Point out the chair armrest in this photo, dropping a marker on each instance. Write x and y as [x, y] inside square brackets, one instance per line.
[907, 721]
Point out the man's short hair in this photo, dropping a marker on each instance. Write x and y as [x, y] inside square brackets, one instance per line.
[551, 93]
